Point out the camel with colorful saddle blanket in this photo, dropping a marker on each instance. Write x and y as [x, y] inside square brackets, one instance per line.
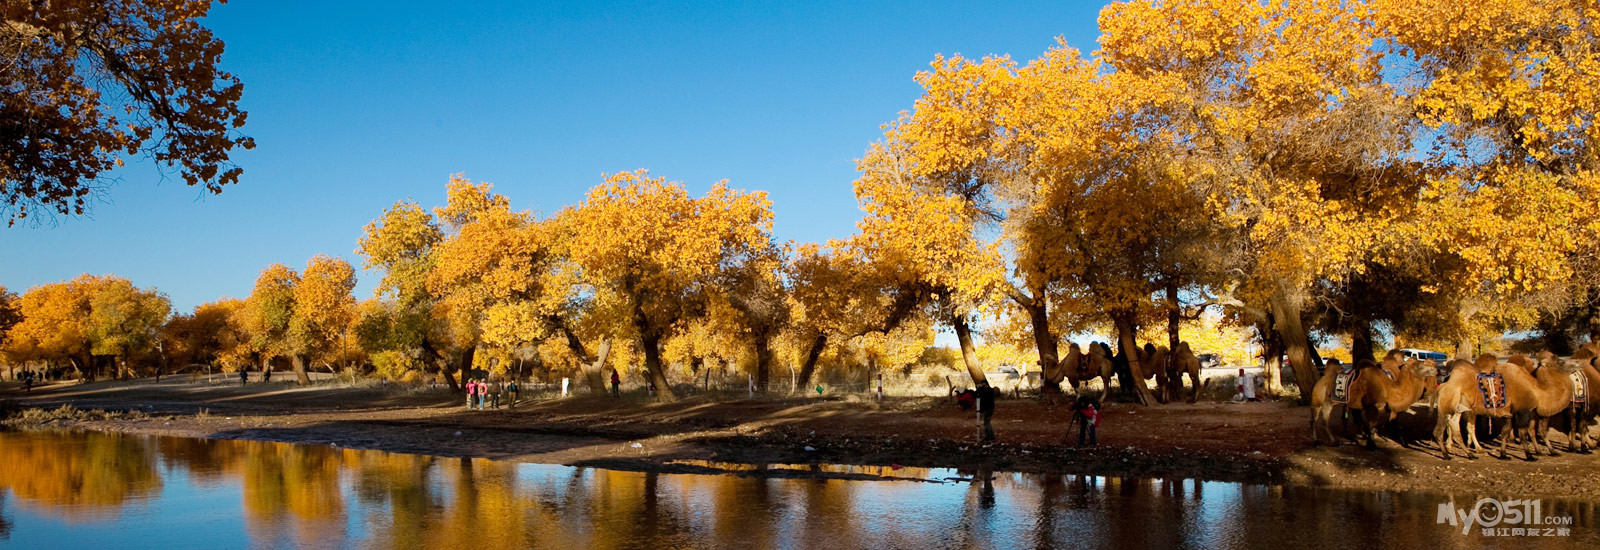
[1330, 391]
[1585, 398]
[1524, 390]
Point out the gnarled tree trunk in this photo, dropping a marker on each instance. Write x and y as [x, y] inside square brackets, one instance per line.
[1174, 316]
[655, 370]
[1286, 310]
[445, 368]
[1361, 341]
[969, 354]
[594, 371]
[1049, 351]
[300, 375]
[810, 366]
[1127, 342]
[763, 363]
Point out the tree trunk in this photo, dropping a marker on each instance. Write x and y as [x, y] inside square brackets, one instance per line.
[810, 366]
[1271, 354]
[654, 369]
[1049, 349]
[300, 375]
[763, 363]
[467, 356]
[438, 360]
[1286, 316]
[1174, 316]
[1128, 344]
[1361, 341]
[594, 371]
[1466, 349]
[593, 368]
[969, 354]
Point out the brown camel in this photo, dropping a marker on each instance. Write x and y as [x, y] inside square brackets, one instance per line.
[1586, 411]
[1175, 364]
[1081, 367]
[1538, 389]
[1380, 397]
[1545, 392]
[1456, 399]
[1322, 402]
[1153, 364]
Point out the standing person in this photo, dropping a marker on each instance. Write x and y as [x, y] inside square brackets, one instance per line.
[511, 394]
[1088, 416]
[244, 377]
[616, 384]
[266, 374]
[472, 392]
[27, 382]
[483, 393]
[986, 395]
[494, 393]
[1247, 386]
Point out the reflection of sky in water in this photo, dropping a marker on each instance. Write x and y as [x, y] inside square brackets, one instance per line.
[79, 490]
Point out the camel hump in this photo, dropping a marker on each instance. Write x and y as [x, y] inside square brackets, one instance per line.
[1486, 363]
[1521, 360]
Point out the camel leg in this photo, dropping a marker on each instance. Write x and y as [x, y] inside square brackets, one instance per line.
[1364, 422]
[1574, 429]
[1469, 439]
[1194, 382]
[1542, 430]
[1325, 415]
[1316, 414]
[1444, 432]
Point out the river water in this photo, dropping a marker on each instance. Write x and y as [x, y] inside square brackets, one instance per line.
[65, 489]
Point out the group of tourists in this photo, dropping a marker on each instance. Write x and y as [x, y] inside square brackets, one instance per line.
[244, 376]
[1085, 413]
[483, 394]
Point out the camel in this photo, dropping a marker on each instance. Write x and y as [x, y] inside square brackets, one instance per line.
[1538, 389]
[1456, 399]
[1543, 393]
[1380, 397]
[1322, 402]
[1153, 362]
[1181, 361]
[1586, 412]
[1081, 367]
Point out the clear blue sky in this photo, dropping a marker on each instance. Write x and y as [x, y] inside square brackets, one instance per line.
[355, 105]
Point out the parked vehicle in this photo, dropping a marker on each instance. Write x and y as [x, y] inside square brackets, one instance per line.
[1424, 355]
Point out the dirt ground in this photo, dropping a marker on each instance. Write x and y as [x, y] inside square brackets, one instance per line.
[1249, 442]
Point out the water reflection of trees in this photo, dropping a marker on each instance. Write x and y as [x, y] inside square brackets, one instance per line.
[77, 476]
[306, 495]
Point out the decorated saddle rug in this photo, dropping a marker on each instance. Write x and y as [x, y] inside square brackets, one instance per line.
[1341, 385]
[1580, 387]
[1493, 388]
